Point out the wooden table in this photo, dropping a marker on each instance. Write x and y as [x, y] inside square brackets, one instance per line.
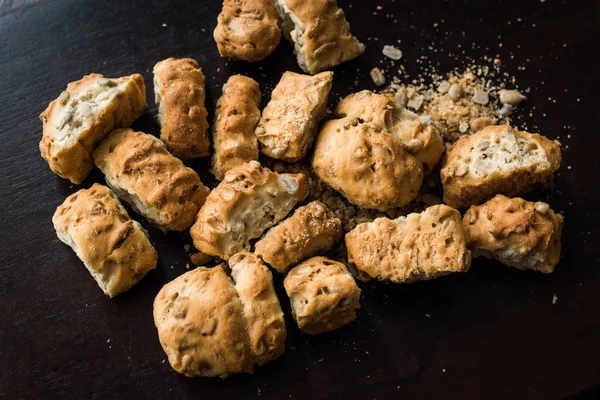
[492, 333]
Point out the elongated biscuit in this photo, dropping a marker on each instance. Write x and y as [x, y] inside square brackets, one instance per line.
[235, 121]
[141, 171]
[250, 200]
[114, 248]
[180, 96]
[83, 115]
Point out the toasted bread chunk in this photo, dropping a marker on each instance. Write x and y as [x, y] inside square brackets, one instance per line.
[407, 249]
[320, 33]
[180, 95]
[247, 29]
[497, 159]
[289, 122]
[312, 228]
[518, 233]
[144, 174]
[114, 248]
[323, 295]
[367, 165]
[201, 325]
[250, 200]
[83, 115]
[417, 136]
[266, 327]
[236, 118]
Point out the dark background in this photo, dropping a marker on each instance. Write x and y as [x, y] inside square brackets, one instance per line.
[492, 333]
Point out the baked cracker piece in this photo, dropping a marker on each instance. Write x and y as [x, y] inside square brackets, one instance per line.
[323, 295]
[497, 159]
[407, 249]
[312, 228]
[180, 95]
[157, 185]
[247, 29]
[290, 120]
[83, 115]
[113, 247]
[236, 117]
[320, 33]
[518, 233]
[248, 201]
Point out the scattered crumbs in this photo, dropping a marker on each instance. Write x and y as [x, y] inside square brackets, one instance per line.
[187, 266]
[164, 25]
[392, 52]
[163, 361]
[428, 316]
[554, 299]
[377, 77]
[107, 340]
[379, 8]
[187, 247]
[444, 370]
[568, 167]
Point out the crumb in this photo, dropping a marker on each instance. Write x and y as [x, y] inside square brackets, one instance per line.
[554, 299]
[200, 258]
[164, 25]
[187, 247]
[377, 77]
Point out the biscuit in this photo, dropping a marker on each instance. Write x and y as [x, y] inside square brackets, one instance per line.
[518, 233]
[254, 286]
[236, 117]
[83, 115]
[365, 164]
[320, 33]
[407, 249]
[141, 171]
[497, 159]
[114, 248]
[417, 136]
[248, 201]
[247, 29]
[312, 228]
[289, 122]
[323, 295]
[180, 95]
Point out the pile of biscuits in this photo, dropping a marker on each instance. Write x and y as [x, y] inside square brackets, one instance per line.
[227, 319]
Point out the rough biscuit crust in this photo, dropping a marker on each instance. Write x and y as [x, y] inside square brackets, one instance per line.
[247, 29]
[412, 248]
[266, 326]
[114, 248]
[365, 164]
[323, 295]
[289, 122]
[320, 33]
[516, 232]
[250, 200]
[236, 117]
[83, 115]
[418, 137]
[201, 325]
[142, 172]
[497, 159]
[312, 228]
[180, 96]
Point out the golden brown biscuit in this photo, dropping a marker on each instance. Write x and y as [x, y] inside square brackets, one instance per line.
[497, 159]
[180, 95]
[516, 232]
[83, 115]
[254, 285]
[236, 118]
[312, 228]
[367, 165]
[201, 325]
[247, 29]
[114, 248]
[144, 174]
[289, 122]
[323, 295]
[250, 200]
[407, 249]
[320, 33]
[418, 137]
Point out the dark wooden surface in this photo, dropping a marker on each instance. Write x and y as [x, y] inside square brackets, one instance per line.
[492, 333]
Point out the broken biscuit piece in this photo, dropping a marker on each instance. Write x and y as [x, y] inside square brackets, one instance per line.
[323, 295]
[518, 233]
[497, 159]
[407, 249]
